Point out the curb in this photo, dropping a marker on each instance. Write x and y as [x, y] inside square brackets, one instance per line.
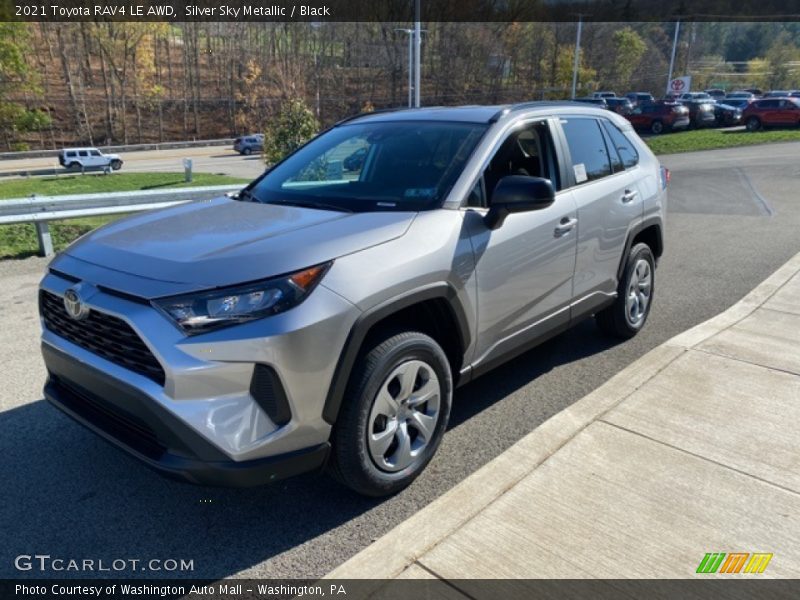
[387, 557]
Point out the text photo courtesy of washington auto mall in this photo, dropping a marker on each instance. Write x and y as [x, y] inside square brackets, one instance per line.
[399, 299]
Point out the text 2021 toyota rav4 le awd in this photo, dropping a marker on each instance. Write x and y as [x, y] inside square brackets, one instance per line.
[324, 317]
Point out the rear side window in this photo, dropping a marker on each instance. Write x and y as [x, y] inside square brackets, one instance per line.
[83, 153]
[590, 160]
[628, 154]
[71, 154]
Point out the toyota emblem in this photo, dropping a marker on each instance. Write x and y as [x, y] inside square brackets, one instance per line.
[74, 305]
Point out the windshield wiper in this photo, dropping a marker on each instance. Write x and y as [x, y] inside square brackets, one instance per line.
[318, 205]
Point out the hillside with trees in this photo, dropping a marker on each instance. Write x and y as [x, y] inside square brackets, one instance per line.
[117, 82]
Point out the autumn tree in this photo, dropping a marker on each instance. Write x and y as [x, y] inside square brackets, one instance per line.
[294, 125]
[15, 77]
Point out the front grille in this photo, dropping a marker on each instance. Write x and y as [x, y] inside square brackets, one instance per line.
[104, 335]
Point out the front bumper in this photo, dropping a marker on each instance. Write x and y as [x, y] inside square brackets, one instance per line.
[127, 418]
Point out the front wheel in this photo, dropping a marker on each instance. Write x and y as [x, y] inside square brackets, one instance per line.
[393, 416]
[626, 317]
[116, 165]
[753, 124]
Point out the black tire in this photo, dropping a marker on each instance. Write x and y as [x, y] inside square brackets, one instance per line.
[73, 165]
[116, 165]
[656, 127]
[753, 124]
[351, 461]
[247, 151]
[615, 320]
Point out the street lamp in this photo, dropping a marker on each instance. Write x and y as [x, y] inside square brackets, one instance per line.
[410, 33]
[577, 57]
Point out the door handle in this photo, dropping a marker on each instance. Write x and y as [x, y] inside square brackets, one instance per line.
[628, 196]
[565, 226]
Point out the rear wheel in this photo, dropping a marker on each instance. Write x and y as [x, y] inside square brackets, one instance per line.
[394, 415]
[753, 124]
[626, 317]
[74, 165]
[247, 151]
[657, 127]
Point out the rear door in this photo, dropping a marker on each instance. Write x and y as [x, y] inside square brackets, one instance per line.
[97, 159]
[608, 200]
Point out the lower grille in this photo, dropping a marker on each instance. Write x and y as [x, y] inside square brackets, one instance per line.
[121, 426]
[104, 335]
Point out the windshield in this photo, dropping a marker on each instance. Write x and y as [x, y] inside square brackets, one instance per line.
[404, 166]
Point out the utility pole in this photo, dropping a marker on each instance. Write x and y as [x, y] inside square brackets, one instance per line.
[674, 49]
[417, 51]
[577, 57]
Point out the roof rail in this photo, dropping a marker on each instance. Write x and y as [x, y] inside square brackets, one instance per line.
[364, 114]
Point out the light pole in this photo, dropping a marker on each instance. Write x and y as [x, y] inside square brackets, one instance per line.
[417, 51]
[674, 49]
[577, 57]
[410, 34]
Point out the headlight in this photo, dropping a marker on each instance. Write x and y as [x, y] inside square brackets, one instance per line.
[205, 311]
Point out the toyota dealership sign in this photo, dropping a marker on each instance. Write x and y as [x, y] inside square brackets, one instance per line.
[680, 85]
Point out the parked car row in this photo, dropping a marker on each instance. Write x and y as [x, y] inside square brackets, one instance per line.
[709, 108]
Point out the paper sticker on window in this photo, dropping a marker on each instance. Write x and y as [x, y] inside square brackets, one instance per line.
[580, 172]
[420, 193]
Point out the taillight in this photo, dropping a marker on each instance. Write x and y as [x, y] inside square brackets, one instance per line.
[665, 177]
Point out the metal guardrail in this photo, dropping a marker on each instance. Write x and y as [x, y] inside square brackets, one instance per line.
[40, 210]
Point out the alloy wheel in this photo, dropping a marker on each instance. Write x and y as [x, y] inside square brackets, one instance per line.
[640, 288]
[404, 415]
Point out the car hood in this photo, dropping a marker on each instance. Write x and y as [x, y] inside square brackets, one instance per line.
[221, 242]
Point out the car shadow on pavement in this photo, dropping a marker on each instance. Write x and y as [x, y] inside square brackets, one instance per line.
[573, 345]
[69, 494]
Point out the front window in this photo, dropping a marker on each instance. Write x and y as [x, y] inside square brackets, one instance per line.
[373, 166]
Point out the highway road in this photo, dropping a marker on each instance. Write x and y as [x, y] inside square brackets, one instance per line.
[733, 219]
[206, 159]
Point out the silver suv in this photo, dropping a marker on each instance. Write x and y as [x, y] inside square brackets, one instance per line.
[324, 317]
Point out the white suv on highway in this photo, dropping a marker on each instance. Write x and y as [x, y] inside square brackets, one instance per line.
[88, 158]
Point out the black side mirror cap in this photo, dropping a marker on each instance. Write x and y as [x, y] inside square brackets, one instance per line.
[518, 193]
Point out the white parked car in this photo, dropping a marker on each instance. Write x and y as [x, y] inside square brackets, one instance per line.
[87, 158]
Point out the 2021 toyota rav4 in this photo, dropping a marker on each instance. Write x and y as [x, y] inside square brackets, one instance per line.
[326, 314]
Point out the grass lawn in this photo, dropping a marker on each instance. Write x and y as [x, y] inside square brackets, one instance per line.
[97, 183]
[709, 139]
[19, 241]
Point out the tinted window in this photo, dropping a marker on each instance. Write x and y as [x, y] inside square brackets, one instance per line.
[95, 153]
[83, 153]
[71, 154]
[587, 148]
[768, 104]
[623, 145]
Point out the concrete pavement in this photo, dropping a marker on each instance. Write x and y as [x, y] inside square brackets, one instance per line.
[692, 449]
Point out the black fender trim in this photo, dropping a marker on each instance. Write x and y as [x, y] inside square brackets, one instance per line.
[370, 317]
[634, 231]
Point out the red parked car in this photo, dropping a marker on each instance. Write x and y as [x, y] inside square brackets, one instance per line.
[659, 117]
[771, 112]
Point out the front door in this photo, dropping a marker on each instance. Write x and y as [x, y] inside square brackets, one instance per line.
[524, 268]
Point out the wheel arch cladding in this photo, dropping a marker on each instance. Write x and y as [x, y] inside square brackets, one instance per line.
[648, 232]
[433, 310]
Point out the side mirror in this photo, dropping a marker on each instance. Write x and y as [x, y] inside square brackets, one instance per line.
[518, 193]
